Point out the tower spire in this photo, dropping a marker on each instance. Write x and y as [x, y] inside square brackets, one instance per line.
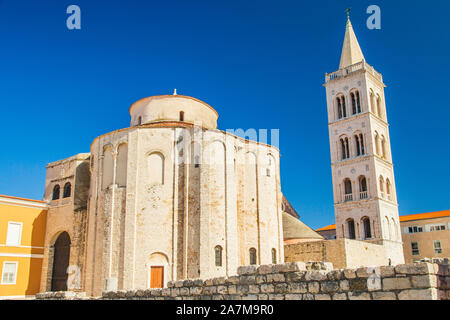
[351, 51]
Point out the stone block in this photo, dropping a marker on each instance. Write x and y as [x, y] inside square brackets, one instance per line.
[218, 281]
[335, 275]
[313, 287]
[322, 297]
[289, 267]
[188, 283]
[253, 288]
[418, 294]
[295, 276]
[381, 295]
[232, 280]
[396, 283]
[265, 269]
[242, 288]
[293, 296]
[308, 296]
[263, 296]
[359, 295]
[247, 270]
[273, 296]
[297, 287]
[424, 281]
[217, 297]
[315, 275]
[267, 288]
[192, 290]
[275, 277]
[417, 268]
[387, 271]
[170, 284]
[165, 292]
[261, 279]
[357, 284]
[222, 289]
[247, 279]
[339, 296]
[232, 289]
[350, 273]
[179, 284]
[250, 297]
[329, 286]
[281, 287]
[209, 290]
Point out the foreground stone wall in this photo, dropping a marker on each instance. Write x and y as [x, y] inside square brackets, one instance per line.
[302, 281]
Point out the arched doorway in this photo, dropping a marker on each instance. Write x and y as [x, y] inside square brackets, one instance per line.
[61, 262]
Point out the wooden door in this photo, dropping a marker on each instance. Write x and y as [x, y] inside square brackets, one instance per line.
[156, 277]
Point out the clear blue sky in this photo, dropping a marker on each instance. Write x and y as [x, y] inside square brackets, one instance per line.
[260, 64]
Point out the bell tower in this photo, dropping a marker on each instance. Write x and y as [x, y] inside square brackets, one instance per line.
[364, 191]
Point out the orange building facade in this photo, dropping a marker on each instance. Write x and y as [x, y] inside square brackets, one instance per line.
[22, 233]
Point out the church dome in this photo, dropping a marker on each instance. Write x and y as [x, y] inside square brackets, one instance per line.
[170, 108]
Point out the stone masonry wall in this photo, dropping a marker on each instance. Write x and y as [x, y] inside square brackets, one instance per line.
[302, 281]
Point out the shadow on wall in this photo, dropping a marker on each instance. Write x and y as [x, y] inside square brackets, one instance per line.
[35, 267]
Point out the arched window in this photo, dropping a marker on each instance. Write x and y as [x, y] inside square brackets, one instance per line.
[388, 188]
[358, 145]
[342, 112]
[351, 228]
[382, 186]
[377, 144]
[348, 190]
[372, 102]
[67, 190]
[363, 188]
[366, 225]
[181, 115]
[353, 98]
[274, 256]
[383, 147]
[378, 105]
[218, 256]
[156, 168]
[139, 122]
[121, 165]
[56, 191]
[358, 102]
[389, 230]
[361, 142]
[345, 149]
[252, 256]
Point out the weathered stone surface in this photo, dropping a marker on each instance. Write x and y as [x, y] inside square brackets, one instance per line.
[267, 288]
[261, 279]
[387, 271]
[253, 288]
[232, 289]
[295, 276]
[419, 294]
[396, 283]
[246, 270]
[424, 281]
[344, 285]
[297, 287]
[275, 277]
[329, 286]
[381, 295]
[265, 269]
[350, 273]
[273, 296]
[339, 296]
[222, 289]
[322, 297]
[291, 296]
[417, 268]
[358, 284]
[315, 275]
[335, 275]
[218, 281]
[242, 288]
[233, 280]
[289, 267]
[313, 287]
[281, 287]
[247, 280]
[358, 296]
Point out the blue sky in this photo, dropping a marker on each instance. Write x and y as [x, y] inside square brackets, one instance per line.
[260, 64]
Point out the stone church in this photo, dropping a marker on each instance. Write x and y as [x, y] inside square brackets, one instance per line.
[172, 197]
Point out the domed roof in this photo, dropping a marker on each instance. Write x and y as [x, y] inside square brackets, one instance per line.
[164, 108]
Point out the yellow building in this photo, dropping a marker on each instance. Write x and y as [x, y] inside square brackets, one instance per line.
[22, 232]
[424, 235]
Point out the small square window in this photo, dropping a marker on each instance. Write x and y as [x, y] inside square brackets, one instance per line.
[437, 246]
[14, 234]
[9, 273]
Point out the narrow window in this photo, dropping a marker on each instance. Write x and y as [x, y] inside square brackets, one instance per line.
[383, 147]
[377, 144]
[358, 146]
[382, 186]
[339, 107]
[56, 191]
[218, 255]
[9, 273]
[14, 234]
[139, 122]
[351, 228]
[274, 256]
[348, 190]
[379, 105]
[181, 115]
[67, 190]
[354, 108]
[367, 231]
[344, 109]
[415, 248]
[358, 102]
[252, 256]
[437, 246]
[388, 188]
[372, 102]
[363, 188]
[361, 141]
